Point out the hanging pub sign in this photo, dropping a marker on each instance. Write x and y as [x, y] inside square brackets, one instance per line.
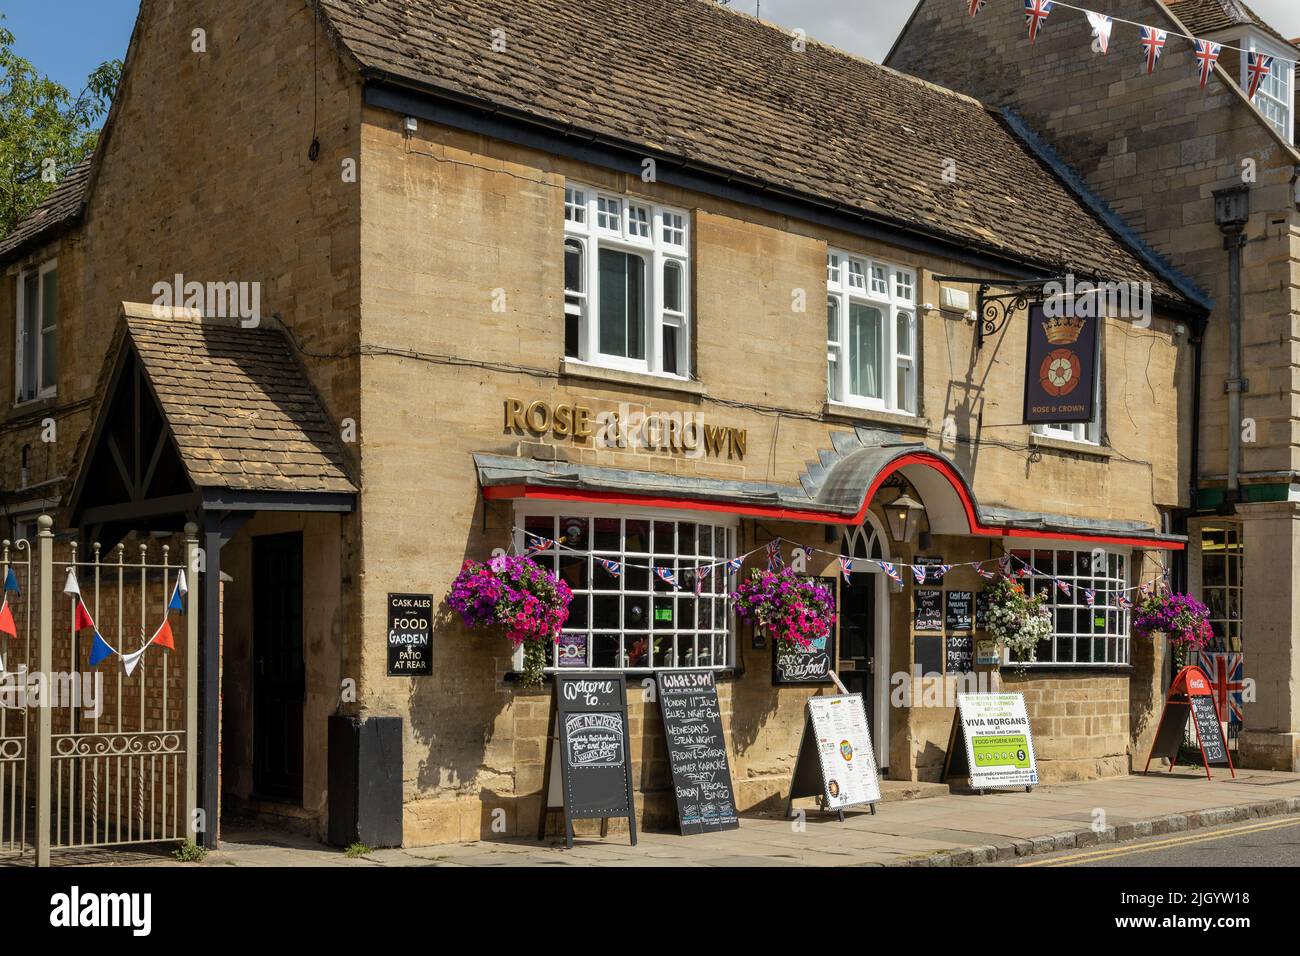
[1191, 695]
[697, 751]
[996, 746]
[836, 762]
[410, 635]
[792, 664]
[1061, 366]
[592, 779]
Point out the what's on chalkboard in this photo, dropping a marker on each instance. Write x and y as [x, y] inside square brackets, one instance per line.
[697, 751]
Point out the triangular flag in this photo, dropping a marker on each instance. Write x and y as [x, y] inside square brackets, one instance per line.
[1207, 55]
[99, 650]
[1153, 46]
[918, 572]
[7, 625]
[1260, 67]
[175, 603]
[181, 586]
[1036, 12]
[975, 6]
[1101, 27]
[129, 661]
[71, 587]
[163, 636]
[82, 619]
[11, 582]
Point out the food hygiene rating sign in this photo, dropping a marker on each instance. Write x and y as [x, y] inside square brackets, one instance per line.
[998, 746]
[1060, 367]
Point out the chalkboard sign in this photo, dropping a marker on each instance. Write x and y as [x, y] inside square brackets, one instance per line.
[960, 653]
[589, 719]
[836, 761]
[806, 665]
[410, 635]
[982, 611]
[697, 751]
[929, 610]
[929, 653]
[931, 565]
[1190, 694]
[959, 616]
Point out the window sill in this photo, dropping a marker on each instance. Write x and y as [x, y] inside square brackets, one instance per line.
[572, 368]
[1086, 449]
[875, 416]
[548, 677]
[31, 406]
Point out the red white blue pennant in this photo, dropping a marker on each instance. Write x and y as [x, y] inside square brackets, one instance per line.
[1036, 13]
[1259, 66]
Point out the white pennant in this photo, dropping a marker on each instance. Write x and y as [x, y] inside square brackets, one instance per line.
[180, 582]
[71, 587]
[129, 661]
[1101, 27]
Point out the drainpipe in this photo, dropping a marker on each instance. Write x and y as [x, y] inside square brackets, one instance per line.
[1231, 213]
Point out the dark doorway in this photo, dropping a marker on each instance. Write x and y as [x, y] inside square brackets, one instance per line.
[858, 640]
[279, 685]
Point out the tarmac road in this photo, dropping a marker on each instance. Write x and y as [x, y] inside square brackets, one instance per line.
[1269, 842]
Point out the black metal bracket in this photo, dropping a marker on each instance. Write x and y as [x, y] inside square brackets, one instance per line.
[993, 309]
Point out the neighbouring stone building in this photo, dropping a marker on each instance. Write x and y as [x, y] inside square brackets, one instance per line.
[475, 230]
[1157, 148]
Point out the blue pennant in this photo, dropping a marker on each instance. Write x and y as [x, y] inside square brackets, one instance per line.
[99, 651]
[175, 603]
[11, 582]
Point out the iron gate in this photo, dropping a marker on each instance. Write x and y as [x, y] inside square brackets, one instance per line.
[112, 746]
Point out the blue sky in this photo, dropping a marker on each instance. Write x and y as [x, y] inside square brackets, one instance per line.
[66, 39]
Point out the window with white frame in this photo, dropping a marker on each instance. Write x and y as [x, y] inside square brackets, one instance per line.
[626, 282]
[1082, 633]
[1223, 559]
[871, 333]
[1274, 97]
[37, 352]
[624, 616]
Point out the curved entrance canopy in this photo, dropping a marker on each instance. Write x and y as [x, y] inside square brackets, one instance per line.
[838, 489]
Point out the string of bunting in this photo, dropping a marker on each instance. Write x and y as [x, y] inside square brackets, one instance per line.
[7, 624]
[1010, 565]
[100, 649]
[1153, 40]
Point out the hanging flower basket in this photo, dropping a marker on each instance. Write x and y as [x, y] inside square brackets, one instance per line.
[1017, 620]
[795, 611]
[1185, 620]
[511, 592]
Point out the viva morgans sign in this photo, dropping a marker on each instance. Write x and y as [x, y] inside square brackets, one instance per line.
[1060, 368]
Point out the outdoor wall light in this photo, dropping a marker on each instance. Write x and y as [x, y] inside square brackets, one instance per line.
[903, 512]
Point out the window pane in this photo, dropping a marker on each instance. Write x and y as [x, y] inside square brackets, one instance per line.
[622, 304]
[573, 271]
[673, 287]
[670, 350]
[31, 334]
[864, 351]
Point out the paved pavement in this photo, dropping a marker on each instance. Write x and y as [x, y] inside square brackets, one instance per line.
[951, 829]
[1272, 841]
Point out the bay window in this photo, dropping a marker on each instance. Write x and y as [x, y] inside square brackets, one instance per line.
[1082, 633]
[626, 283]
[624, 616]
[871, 336]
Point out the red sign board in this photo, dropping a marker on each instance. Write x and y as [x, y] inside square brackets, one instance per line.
[1191, 695]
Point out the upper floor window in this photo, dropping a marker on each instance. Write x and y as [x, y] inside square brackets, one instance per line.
[1088, 432]
[626, 283]
[871, 336]
[1274, 97]
[37, 339]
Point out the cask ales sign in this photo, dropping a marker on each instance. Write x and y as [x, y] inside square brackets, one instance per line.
[697, 751]
[410, 635]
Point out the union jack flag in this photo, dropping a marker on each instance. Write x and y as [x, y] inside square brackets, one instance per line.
[774, 559]
[807, 551]
[889, 568]
[1153, 46]
[1036, 12]
[734, 564]
[1090, 596]
[1124, 602]
[986, 575]
[1225, 672]
[975, 6]
[846, 566]
[1063, 587]
[944, 569]
[1101, 27]
[540, 544]
[1260, 66]
[1207, 54]
[666, 574]
[1004, 564]
[702, 575]
[612, 567]
[918, 572]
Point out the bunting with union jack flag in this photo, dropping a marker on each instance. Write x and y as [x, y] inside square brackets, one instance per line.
[1259, 66]
[846, 567]
[1153, 47]
[1207, 54]
[666, 574]
[973, 7]
[1036, 12]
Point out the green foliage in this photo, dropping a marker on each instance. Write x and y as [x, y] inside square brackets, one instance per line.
[190, 852]
[44, 131]
[357, 850]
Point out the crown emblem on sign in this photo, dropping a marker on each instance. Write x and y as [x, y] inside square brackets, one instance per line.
[1063, 330]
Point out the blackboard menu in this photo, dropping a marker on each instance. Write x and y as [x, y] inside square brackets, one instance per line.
[931, 565]
[697, 751]
[929, 609]
[929, 653]
[959, 616]
[982, 610]
[806, 665]
[960, 653]
[410, 635]
[594, 753]
[1209, 730]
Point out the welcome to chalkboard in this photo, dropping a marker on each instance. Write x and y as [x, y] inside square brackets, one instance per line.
[589, 719]
[697, 751]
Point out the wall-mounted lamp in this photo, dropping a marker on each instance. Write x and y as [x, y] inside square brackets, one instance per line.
[903, 513]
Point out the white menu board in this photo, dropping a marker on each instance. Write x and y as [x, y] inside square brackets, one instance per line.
[848, 762]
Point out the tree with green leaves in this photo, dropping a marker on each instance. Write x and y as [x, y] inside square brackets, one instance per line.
[44, 131]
